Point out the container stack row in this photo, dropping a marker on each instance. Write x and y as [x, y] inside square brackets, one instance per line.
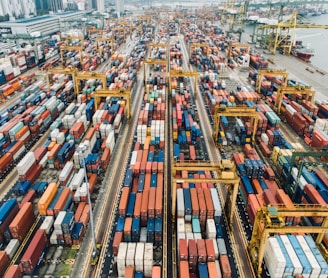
[139, 229]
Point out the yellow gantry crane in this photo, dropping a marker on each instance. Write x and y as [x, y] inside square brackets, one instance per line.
[181, 73]
[89, 75]
[234, 112]
[226, 174]
[69, 47]
[109, 40]
[93, 30]
[282, 35]
[119, 29]
[198, 45]
[233, 45]
[68, 71]
[303, 90]
[270, 220]
[125, 93]
[150, 61]
[272, 72]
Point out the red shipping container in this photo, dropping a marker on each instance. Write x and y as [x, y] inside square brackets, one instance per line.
[39, 153]
[269, 197]
[124, 201]
[22, 222]
[4, 261]
[13, 272]
[210, 250]
[225, 266]
[29, 197]
[33, 252]
[5, 162]
[201, 250]
[183, 250]
[79, 211]
[118, 238]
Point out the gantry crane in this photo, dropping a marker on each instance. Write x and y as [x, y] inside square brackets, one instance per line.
[93, 30]
[126, 93]
[70, 48]
[181, 73]
[109, 40]
[270, 220]
[224, 175]
[281, 35]
[291, 187]
[303, 90]
[233, 45]
[273, 72]
[68, 71]
[197, 45]
[155, 62]
[69, 39]
[89, 75]
[234, 112]
[119, 29]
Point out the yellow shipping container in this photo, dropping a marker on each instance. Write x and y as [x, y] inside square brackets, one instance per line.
[275, 153]
[175, 135]
[46, 198]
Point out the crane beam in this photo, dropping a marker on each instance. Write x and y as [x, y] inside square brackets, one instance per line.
[69, 71]
[226, 177]
[180, 73]
[233, 45]
[89, 75]
[270, 220]
[234, 112]
[126, 93]
[304, 90]
[272, 72]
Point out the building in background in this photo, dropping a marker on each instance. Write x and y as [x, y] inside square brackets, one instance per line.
[42, 7]
[56, 5]
[119, 6]
[16, 9]
[100, 6]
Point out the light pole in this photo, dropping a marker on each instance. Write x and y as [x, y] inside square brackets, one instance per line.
[95, 250]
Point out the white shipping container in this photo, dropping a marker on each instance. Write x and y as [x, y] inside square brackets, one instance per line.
[188, 228]
[197, 236]
[139, 256]
[121, 255]
[143, 235]
[59, 220]
[218, 268]
[180, 203]
[130, 254]
[134, 158]
[181, 225]
[44, 160]
[274, 258]
[216, 250]
[210, 229]
[66, 171]
[216, 202]
[12, 247]
[24, 165]
[19, 152]
[47, 224]
[78, 179]
[309, 255]
[189, 236]
[53, 238]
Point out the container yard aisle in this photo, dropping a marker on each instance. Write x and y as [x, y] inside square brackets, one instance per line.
[238, 240]
[108, 201]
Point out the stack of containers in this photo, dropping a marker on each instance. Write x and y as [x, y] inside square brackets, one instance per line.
[199, 232]
[139, 225]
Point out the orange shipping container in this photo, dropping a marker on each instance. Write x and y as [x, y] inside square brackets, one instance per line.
[51, 145]
[137, 205]
[4, 261]
[79, 211]
[124, 201]
[212, 270]
[22, 222]
[129, 272]
[151, 202]
[184, 269]
[14, 272]
[54, 151]
[156, 272]
[159, 202]
[225, 266]
[62, 200]
[46, 198]
[85, 215]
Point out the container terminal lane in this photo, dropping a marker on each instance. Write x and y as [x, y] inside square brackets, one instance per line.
[177, 196]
